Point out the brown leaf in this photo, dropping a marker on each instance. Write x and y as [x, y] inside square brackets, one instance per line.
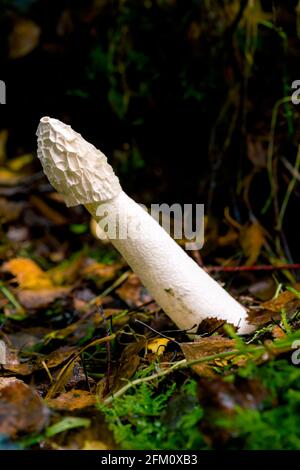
[67, 271]
[206, 347]
[133, 292]
[21, 408]
[35, 299]
[47, 211]
[12, 363]
[95, 445]
[10, 178]
[72, 400]
[100, 272]
[256, 152]
[56, 358]
[281, 301]
[211, 325]
[24, 38]
[272, 309]
[3, 142]
[227, 396]
[9, 210]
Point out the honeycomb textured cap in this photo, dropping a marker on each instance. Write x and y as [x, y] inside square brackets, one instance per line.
[74, 167]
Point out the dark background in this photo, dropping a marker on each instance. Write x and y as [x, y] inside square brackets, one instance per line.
[178, 93]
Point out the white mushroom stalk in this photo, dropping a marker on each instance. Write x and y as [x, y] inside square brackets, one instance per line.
[80, 172]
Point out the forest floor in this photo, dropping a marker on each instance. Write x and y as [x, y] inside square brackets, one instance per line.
[91, 361]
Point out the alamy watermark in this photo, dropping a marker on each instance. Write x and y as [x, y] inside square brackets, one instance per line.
[2, 353]
[181, 222]
[295, 98]
[2, 92]
[295, 358]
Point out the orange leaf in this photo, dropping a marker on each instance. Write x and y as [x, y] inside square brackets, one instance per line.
[28, 274]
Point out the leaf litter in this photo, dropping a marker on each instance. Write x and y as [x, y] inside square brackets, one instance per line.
[84, 338]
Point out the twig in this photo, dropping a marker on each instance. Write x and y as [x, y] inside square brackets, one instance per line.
[55, 387]
[155, 331]
[184, 364]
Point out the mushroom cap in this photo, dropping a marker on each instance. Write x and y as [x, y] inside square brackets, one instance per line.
[74, 167]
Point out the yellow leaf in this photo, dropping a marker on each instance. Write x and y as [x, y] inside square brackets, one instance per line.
[28, 274]
[158, 345]
[24, 38]
[3, 141]
[252, 240]
[8, 177]
[16, 164]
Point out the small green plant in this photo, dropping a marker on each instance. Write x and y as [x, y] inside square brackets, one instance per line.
[146, 419]
[276, 424]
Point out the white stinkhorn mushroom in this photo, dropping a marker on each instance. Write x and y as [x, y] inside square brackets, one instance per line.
[82, 175]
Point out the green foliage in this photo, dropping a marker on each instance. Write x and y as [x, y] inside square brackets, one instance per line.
[144, 419]
[277, 425]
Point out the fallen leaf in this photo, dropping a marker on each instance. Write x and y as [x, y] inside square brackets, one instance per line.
[9, 210]
[133, 292]
[28, 274]
[21, 408]
[210, 325]
[158, 345]
[12, 363]
[9, 178]
[95, 445]
[206, 347]
[18, 163]
[67, 271]
[100, 272]
[3, 142]
[227, 396]
[56, 358]
[221, 398]
[24, 38]
[72, 400]
[256, 152]
[281, 301]
[34, 299]
[272, 309]
[252, 239]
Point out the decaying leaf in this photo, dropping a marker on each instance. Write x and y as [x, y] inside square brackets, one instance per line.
[133, 292]
[9, 210]
[35, 299]
[21, 408]
[252, 239]
[206, 347]
[24, 38]
[57, 357]
[3, 142]
[272, 309]
[9, 178]
[67, 271]
[219, 394]
[72, 400]
[12, 364]
[100, 272]
[95, 445]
